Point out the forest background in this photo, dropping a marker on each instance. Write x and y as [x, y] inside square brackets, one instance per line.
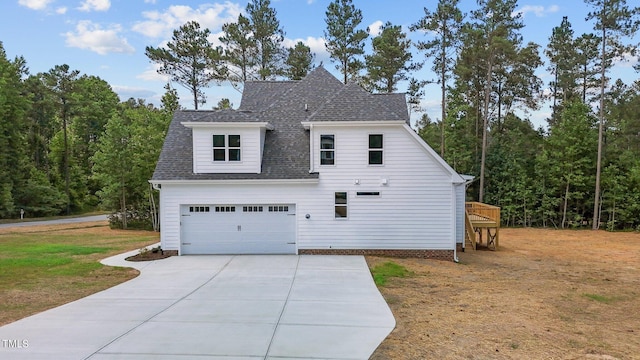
[69, 145]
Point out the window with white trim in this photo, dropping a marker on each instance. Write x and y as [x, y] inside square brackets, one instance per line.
[327, 150]
[376, 149]
[226, 147]
[340, 205]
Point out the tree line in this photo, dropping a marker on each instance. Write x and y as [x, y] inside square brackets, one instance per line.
[69, 145]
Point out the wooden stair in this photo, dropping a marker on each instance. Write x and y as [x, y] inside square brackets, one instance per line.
[480, 218]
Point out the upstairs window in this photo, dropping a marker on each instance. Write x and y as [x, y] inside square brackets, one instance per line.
[226, 147]
[375, 149]
[340, 205]
[327, 150]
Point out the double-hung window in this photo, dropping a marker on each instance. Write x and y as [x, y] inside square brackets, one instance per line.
[376, 149]
[327, 150]
[340, 204]
[226, 147]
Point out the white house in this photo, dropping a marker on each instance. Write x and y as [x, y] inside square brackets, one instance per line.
[306, 167]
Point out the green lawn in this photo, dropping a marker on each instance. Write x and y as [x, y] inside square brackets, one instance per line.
[43, 267]
[383, 272]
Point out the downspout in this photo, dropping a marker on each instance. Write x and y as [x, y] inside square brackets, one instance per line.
[455, 221]
[311, 146]
[455, 248]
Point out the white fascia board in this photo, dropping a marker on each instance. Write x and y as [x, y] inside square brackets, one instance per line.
[455, 177]
[307, 124]
[239, 181]
[193, 124]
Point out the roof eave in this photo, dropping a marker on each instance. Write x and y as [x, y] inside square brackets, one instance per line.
[307, 124]
[236, 181]
[219, 124]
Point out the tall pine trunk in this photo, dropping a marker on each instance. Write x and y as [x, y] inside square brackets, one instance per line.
[596, 200]
[485, 124]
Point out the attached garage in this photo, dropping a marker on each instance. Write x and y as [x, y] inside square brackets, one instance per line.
[238, 229]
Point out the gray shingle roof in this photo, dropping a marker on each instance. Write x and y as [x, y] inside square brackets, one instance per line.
[284, 105]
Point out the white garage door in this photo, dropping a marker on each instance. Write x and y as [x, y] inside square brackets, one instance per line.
[238, 229]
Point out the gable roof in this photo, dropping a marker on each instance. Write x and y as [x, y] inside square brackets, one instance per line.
[284, 105]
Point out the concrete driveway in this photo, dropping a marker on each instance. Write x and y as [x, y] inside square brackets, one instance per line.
[216, 307]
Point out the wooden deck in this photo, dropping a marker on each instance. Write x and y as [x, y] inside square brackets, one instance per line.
[481, 219]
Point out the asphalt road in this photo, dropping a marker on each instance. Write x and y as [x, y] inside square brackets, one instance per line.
[56, 222]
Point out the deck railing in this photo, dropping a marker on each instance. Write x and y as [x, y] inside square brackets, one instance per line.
[482, 218]
[485, 211]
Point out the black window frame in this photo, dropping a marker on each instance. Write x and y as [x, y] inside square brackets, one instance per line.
[230, 150]
[376, 151]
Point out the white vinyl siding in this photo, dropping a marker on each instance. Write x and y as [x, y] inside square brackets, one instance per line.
[250, 151]
[415, 209]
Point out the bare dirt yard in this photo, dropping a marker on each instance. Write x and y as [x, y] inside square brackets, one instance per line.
[545, 294]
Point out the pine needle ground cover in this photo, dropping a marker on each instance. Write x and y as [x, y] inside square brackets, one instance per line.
[46, 266]
[545, 294]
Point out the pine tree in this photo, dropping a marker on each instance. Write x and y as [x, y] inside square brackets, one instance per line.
[268, 37]
[588, 49]
[62, 81]
[13, 109]
[190, 59]
[240, 51]
[563, 59]
[614, 20]
[500, 39]
[446, 24]
[344, 41]
[299, 61]
[391, 59]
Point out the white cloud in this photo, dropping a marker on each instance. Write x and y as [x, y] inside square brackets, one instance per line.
[95, 5]
[61, 10]
[151, 74]
[317, 46]
[375, 28]
[90, 36]
[537, 10]
[627, 60]
[35, 4]
[127, 92]
[211, 16]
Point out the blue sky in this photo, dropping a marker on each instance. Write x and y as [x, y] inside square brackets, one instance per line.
[107, 38]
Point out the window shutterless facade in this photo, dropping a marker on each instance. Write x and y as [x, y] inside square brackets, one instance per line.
[226, 147]
[340, 205]
[327, 150]
[376, 149]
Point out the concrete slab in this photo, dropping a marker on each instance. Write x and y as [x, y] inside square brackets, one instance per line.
[330, 342]
[224, 311]
[217, 307]
[195, 338]
[335, 313]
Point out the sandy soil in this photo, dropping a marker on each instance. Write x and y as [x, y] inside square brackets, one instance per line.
[546, 294]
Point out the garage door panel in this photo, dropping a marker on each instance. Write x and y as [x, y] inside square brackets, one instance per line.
[238, 229]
